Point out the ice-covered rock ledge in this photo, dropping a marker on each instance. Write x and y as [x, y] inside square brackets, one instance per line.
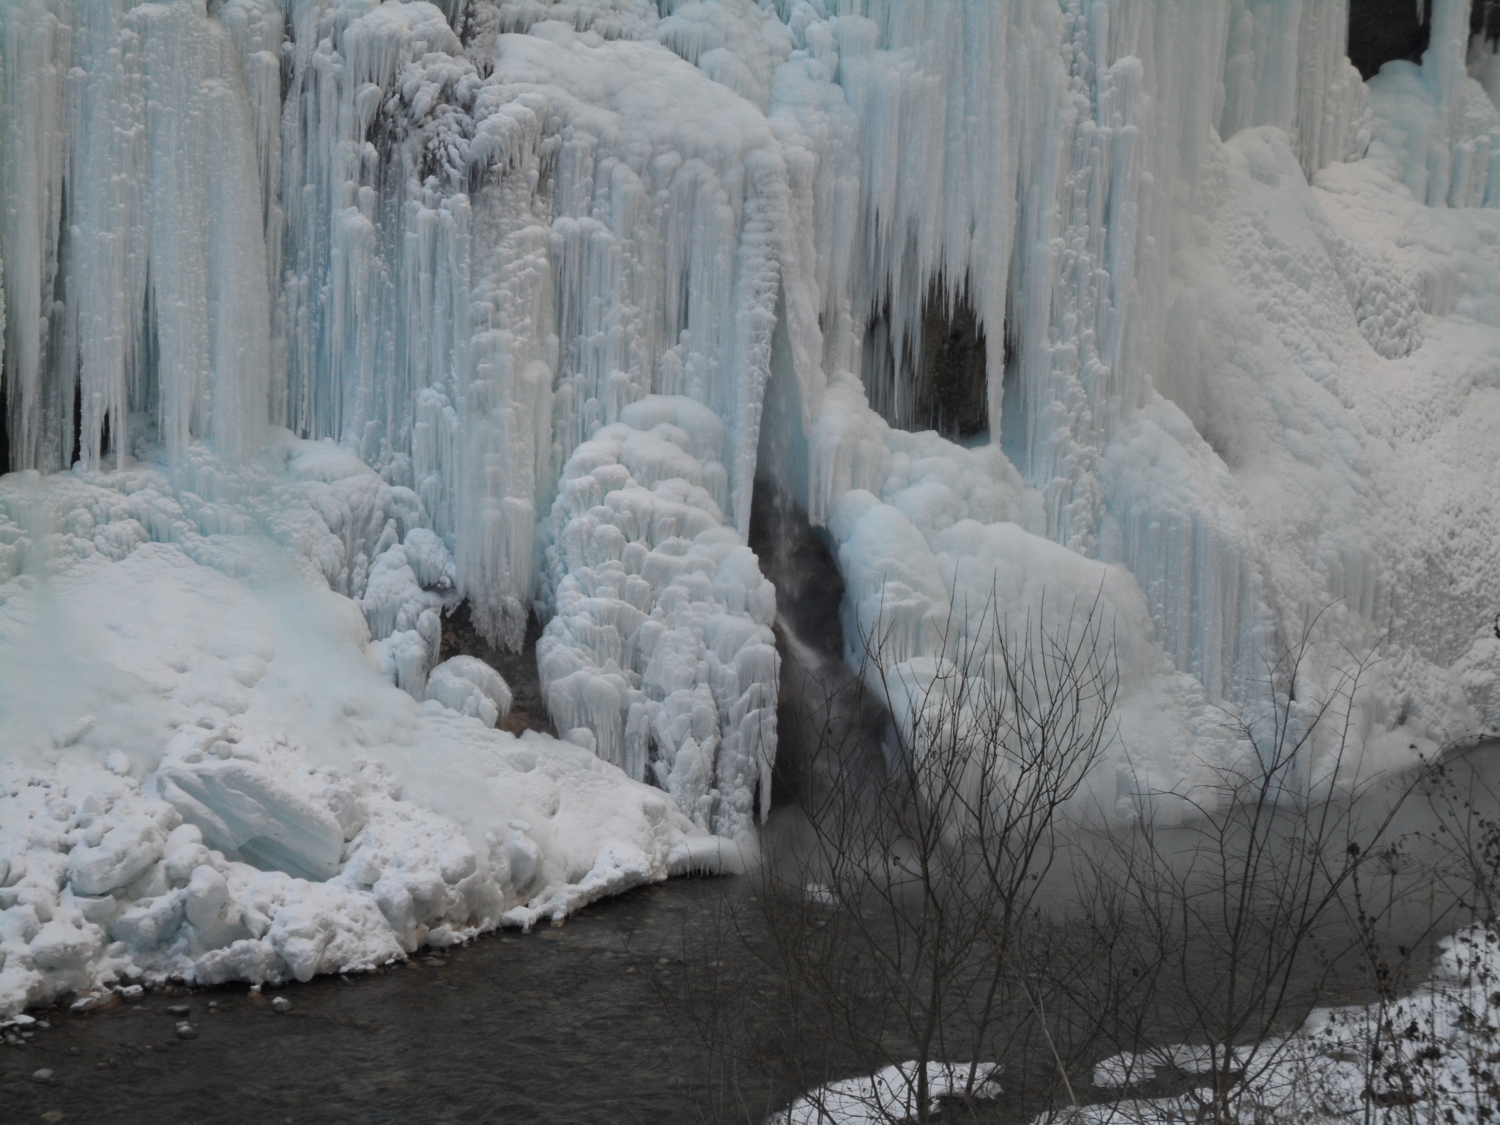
[207, 773]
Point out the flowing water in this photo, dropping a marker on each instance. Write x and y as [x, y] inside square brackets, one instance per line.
[561, 1025]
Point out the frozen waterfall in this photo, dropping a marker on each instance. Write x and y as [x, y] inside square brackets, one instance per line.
[514, 301]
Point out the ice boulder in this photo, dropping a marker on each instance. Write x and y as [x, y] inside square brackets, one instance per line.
[119, 854]
[235, 794]
[429, 559]
[471, 687]
[216, 920]
[64, 947]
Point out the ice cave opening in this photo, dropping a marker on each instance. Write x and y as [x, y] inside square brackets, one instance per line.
[928, 371]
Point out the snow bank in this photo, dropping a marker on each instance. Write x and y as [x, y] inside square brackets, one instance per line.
[207, 777]
[1426, 1056]
[888, 1095]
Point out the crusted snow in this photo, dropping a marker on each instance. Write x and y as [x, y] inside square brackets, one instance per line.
[1423, 1056]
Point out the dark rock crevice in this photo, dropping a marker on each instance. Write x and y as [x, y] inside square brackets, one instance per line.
[1382, 30]
[829, 730]
[4, 417]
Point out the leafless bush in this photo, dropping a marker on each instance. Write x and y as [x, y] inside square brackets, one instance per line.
[897, 920]
[1226, 928]
[927, 920]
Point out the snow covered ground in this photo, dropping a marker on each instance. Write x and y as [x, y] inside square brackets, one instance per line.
[209, 774]
[1428, 1056]
[542, 288]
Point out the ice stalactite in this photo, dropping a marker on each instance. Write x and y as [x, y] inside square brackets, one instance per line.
[1287, 65]
[402, 343]
[489, 262]
[130, 307]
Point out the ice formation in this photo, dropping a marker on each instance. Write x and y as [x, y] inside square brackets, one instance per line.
[513, 302]
[659, 645]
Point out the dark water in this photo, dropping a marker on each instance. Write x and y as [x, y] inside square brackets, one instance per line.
[562, 1025]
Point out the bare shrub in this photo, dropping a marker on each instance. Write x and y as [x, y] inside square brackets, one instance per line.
[897, 918]
[1228, 926]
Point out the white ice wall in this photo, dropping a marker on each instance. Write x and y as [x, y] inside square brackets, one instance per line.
[152, 298]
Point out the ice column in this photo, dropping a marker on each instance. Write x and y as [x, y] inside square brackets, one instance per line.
[1286, 65]
[659, 653]
[1438, 125]
[137, 126]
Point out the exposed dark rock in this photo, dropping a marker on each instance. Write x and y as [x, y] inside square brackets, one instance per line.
[946, 371]
[828, 731]
[4, 420]
[951, 378]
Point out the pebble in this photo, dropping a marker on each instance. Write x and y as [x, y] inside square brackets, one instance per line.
[46, 1076]
[179, 1010]
[281, 1004]
[186, 1030]
[52, 1115]
[86, 1003]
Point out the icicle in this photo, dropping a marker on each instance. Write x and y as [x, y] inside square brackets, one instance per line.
[147, 150]
[1436, 123]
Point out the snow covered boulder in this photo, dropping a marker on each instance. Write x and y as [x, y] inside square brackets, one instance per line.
[216, 920]
[150, 923]
[119, 855]
[323, 929]
[471, 687]
[66, 947]
[272, 817]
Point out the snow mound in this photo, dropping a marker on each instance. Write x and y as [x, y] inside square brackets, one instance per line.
[207, 778]
[889, 1094]
[471, 687]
